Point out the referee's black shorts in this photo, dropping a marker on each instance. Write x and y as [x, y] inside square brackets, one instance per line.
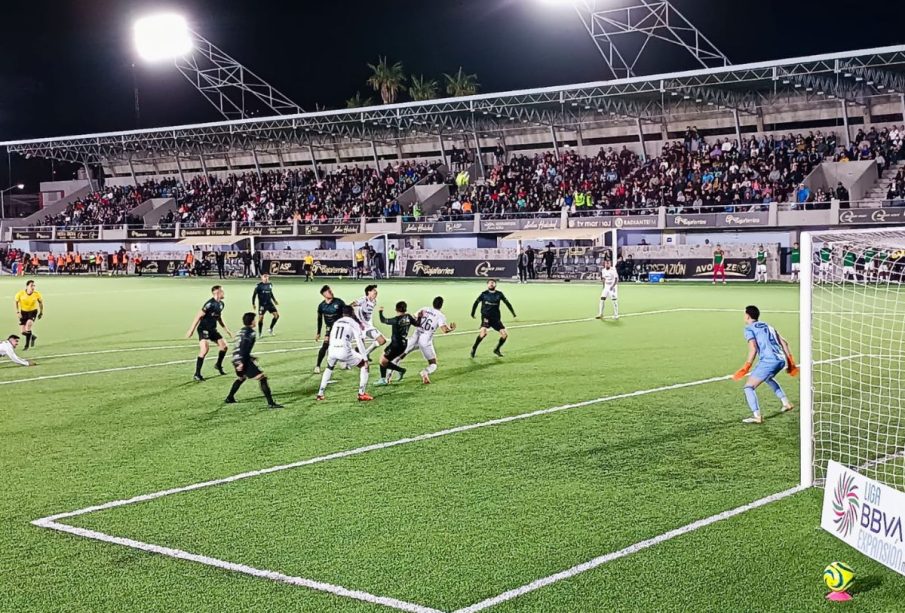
[26, 316]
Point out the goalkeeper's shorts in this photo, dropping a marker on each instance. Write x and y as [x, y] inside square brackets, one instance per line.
[767, 370]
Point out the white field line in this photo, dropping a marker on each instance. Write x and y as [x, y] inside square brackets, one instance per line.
[239, 568]
[137, 367]
[600, 560]
[186, 345]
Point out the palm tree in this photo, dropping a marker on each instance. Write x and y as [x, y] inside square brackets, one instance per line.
[423, 89]
[461, 84]
[386, 79]
[357, 101]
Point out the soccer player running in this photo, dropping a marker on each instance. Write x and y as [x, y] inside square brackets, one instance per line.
[430, 319]
[490, 300]
[795, 255]
[610, 279]
[719, 264]
[761, 270]
[8, 349]
[29, 307]
[364, 311]
[773, 354]
[329, 311]
[347, 349]
[246, 364]
[206, 322]
[267, 303]
[401, 324]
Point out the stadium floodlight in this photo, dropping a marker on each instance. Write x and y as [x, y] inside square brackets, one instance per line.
[162, 37]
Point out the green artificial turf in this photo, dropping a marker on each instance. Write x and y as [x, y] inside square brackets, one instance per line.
[444, 522]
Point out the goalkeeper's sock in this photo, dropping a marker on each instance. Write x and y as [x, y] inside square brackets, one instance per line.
[751, 397]
[777, 389]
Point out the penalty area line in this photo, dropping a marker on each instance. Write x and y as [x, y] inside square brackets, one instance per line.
[627, 551]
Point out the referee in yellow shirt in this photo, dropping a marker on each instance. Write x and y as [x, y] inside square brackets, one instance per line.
[309, 267]
[29, 307]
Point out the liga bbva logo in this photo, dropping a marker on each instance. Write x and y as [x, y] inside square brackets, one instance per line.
[846, 504]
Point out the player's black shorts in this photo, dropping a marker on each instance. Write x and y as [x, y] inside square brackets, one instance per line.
[494, 323]
[266, 308]
[327, 332]
[394, 350]
[26, 316]
[249, 370]
[209, 335]
[307, 268]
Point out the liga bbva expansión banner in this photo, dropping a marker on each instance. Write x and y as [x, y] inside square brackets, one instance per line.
[866, 514]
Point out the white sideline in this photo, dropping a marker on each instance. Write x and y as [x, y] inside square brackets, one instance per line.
[321, 586]
[186, 345]
[600, 560]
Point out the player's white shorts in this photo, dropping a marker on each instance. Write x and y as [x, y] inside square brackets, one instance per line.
[371, 333]
[825, 266]
[425, 343]
[848, 271]
[796, 267]
[344, 357]
[872, 265]
[610, 292]
[761, 269]
[884, 268]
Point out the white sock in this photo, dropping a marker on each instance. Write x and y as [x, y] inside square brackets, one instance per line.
[325, 380]
[600, 308]
[431, 369]
[363, 380]
[615, 308]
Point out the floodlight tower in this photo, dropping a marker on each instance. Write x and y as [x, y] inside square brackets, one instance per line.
[622, 34]
[234, 90]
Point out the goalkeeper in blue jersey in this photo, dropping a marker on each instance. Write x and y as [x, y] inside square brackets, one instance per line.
[773, 355]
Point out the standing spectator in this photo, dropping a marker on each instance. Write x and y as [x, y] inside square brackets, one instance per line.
[256, 259]
[549, 257]
[532, 273]
[246, 264]
[522, 263]
[221, 264]
[392, 259]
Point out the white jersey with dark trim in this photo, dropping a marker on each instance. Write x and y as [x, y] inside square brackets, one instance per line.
[364, 310]
[346, 334]
[609, 277]
[431, 321]
[6, 348]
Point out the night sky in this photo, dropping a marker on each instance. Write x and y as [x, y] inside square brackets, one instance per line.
[66, 65]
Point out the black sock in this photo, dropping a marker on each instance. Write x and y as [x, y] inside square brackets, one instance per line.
[27, 339]
[198, 363]
[260, 326]
[383, 371]
[392, 366]
[273, 322]
[220, 357]
[265, 387]
[320, 354]
[235, 388]
[477, 342]
[500, 343]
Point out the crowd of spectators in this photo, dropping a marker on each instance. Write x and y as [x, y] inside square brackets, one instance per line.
[110, 206]
[287, 196]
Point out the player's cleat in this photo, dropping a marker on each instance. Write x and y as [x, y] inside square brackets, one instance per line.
[381, 382]
[786, 408]
[274, 405]
[497, 353]
[317, 370]
[599, 317]
[472, 353]
[320, 397]
[230, 401]
[402, 372]
[365, 398]
[220, 370]
[753, 420]
[272, 333]
[425, 379]
[34, 340]
[615, 317]
[198, 378]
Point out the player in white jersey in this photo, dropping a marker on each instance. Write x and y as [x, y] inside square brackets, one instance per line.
[347, 349]
[430, 319]
[364, 311]
[610, 279]
[8, 349]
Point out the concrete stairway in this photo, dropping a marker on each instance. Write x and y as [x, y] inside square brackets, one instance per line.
[878, 191]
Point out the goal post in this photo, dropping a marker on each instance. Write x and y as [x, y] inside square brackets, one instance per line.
[852, 333]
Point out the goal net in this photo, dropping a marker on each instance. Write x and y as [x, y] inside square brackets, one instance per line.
[853, 353]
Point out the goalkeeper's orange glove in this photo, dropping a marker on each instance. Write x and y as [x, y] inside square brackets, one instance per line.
[791, 367]
[741, 372]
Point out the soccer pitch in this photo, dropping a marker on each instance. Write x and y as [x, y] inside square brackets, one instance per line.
[591, 468]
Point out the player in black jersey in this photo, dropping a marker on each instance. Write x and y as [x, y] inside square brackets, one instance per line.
[206, 321]
[490, 300]
[401, 324]
[267, 303]
[328, 312]
[246, 364]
